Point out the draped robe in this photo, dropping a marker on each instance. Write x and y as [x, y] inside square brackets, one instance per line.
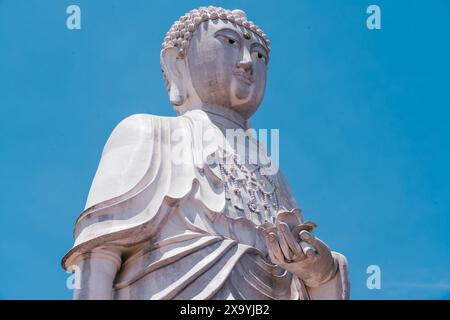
[167, 211]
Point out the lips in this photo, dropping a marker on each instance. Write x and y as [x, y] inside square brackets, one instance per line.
[244, 77]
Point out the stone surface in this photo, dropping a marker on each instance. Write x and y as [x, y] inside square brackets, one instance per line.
[177, 211]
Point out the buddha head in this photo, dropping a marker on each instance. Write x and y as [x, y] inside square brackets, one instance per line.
[215, 57]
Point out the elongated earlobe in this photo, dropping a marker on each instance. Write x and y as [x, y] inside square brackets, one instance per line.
[175, 96]
[172, 65]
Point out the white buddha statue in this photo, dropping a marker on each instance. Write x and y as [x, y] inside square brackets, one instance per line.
[176, 211]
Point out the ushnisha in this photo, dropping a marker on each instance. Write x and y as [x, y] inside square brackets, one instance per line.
[182, 30]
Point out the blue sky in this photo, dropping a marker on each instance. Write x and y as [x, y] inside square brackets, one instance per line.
[363, 119]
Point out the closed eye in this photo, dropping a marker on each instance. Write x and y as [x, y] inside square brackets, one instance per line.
[259, 53]
[228, 40]
[262, 57]
[229, 37]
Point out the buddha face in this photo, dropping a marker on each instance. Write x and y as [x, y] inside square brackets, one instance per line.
[228, 66]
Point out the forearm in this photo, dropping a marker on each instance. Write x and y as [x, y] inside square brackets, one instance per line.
[97, 270]
[336, 288]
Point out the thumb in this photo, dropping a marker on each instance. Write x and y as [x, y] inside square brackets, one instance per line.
[309, 238]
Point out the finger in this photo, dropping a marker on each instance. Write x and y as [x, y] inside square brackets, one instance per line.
[270, 250]
[316, 242]
[275, 247]
[288, 254]
[292, 244]
[307, 225]
[308, 250]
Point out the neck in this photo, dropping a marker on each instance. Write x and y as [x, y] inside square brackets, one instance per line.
[224, 118]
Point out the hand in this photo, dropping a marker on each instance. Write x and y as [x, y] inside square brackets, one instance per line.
[301, 253]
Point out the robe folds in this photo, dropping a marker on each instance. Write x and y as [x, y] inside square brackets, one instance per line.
[158, 200]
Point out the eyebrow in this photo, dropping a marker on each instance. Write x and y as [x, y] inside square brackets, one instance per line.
[228, 30]
[257, 44]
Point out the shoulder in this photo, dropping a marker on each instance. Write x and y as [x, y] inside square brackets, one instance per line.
[126, 156]
[135, 129]
[134, 121]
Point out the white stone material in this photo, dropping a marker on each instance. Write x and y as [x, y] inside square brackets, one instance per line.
[176, 211]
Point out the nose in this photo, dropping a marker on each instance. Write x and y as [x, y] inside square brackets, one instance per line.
[246, 63]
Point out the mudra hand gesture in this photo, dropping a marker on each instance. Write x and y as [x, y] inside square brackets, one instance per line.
[301, 253]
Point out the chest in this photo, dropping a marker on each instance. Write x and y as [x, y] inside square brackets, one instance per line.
[249, 192]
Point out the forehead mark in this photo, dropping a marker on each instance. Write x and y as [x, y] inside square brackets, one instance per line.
[251, 34]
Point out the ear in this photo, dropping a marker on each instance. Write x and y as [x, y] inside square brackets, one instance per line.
[173, 67]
